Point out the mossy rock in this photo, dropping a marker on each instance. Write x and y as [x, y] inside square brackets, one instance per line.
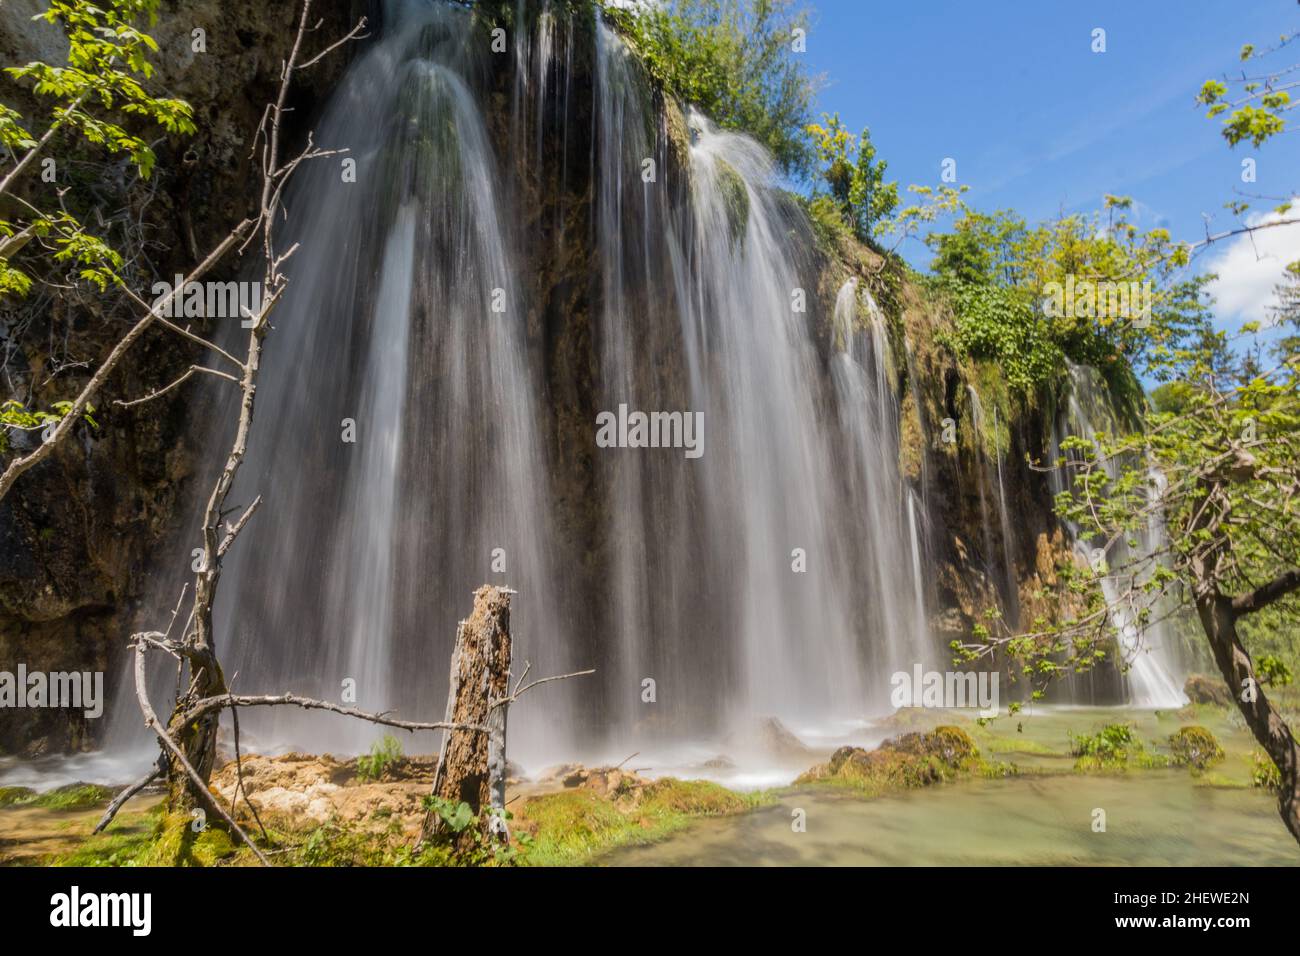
[1201, 689]
[678, 133]
[911, 760]
[952, 745]
[76, 796]
[1195, 747]
[15, 795]
[735, 196]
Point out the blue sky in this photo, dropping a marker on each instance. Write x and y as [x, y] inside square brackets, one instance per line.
[1040, 123]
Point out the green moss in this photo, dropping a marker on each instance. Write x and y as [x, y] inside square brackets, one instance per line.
[735, 197]
[1219, 782]
[1115, 747]
[12, 795]
[694, 797]
[1019, 745]
[571, 826]
[75, 796]
[1195, 747]
[906, 762]
[175, 843]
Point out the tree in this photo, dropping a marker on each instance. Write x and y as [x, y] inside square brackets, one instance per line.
[1006, 281]
[90, 96]
[740, 62]
[858, 185]
[1256, 104]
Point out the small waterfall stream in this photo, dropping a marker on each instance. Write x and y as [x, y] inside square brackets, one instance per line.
[1007, 583]
[1151, 651]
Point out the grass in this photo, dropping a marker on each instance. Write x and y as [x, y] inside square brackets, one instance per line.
[1013, 745]
[570, 827]
[74, 796]
[127, 842]
[383, 754]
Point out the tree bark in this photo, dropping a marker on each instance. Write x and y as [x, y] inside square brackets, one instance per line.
[1220, 624]
[197, 738]
[1218, 613]
[480, 674]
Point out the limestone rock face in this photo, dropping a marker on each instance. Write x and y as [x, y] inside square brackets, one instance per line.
[78, 531]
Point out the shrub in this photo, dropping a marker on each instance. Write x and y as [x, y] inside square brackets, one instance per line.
[1195, 747]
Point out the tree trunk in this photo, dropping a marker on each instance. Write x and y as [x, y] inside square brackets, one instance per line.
[197, 739]
[1219, 621]
[480, 674]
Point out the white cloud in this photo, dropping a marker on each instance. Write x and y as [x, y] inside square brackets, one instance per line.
[1251, 265]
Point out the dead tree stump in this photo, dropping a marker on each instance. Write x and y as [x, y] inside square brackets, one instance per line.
[480, 674]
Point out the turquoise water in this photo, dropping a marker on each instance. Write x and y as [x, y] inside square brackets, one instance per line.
[1153, 818]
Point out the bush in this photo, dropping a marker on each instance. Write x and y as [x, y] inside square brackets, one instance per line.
[1195, 747]
[733, 60]
[998, 323]
[1264, 773]
[1114, 747]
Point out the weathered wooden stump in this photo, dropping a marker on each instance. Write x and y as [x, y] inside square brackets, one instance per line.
[480, 674]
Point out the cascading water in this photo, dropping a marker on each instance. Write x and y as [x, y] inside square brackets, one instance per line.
[760, 579]
[1008, 583]
[397, 443]
[862, 373]
[1150, 650]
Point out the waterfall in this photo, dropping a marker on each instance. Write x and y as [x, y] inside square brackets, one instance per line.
[1004, 523]
[404, 325]
[426, 414]
[1150, 650]
[1008, 582]
[862, 373]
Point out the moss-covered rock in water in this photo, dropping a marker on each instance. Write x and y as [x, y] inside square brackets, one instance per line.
[1195, 747]
[735, 196]
[1207, 690]
[911, 760]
